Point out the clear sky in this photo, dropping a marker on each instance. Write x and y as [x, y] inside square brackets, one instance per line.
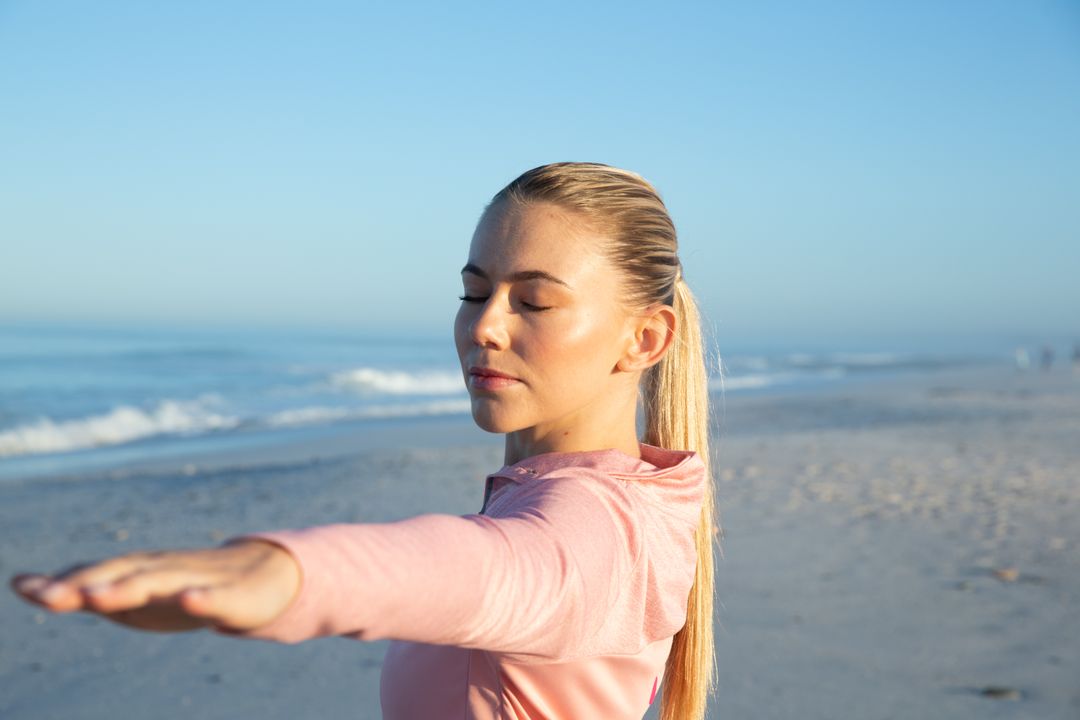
[835, 169]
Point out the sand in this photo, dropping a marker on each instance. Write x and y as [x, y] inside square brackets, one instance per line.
[894, 549]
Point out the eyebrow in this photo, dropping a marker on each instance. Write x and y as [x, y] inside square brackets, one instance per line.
[519, 276]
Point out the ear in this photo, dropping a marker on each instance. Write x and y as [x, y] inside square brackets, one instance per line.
[654, 332]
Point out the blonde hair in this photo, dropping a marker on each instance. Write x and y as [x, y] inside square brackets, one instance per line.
[628, 212]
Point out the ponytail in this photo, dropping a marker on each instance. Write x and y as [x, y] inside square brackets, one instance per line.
[677, 417]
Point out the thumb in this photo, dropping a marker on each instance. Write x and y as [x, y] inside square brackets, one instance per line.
[227, 609]
[207, 602]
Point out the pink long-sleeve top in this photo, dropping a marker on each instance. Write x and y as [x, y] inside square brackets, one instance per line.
[559, 599]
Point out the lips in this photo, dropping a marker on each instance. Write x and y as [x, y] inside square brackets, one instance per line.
[489, 372]
[483, 378]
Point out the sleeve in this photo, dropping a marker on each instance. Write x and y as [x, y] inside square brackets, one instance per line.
[535, 583]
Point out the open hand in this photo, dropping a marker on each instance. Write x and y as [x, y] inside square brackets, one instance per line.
[239, 586]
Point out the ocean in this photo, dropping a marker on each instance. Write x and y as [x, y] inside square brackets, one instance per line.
[73, 398]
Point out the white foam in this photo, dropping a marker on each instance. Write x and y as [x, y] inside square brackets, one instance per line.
[801, 359]
[307, 416]
[745, 382]
[755, 381]
[320, 414]
[120, 425]
[433, 382]
[867, 359]
[753, 362]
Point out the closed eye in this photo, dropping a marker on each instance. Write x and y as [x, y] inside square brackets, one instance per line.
[528, 306]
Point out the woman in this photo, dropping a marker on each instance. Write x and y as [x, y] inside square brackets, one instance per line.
[585, 582]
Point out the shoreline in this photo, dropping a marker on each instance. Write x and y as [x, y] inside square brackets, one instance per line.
[753, 410]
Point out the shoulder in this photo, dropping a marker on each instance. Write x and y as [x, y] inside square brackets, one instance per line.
[589, 488]
[579, 507]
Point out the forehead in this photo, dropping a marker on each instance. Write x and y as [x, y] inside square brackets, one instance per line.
[536, 236]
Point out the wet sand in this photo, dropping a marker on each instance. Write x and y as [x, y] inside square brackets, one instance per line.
[902, 548]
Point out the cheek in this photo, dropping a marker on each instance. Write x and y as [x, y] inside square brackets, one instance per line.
[461, 332]
[581, 352]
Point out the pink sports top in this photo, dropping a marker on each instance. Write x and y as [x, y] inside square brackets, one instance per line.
[559, 599]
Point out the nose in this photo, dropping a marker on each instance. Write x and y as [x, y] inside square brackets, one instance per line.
[488, 329]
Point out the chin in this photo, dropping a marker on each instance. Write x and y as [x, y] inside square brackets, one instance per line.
[493, 422]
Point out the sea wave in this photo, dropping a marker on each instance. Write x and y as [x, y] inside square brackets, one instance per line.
[122, 424]
[743, 382]
[320, 414]
[757, 381]
[879, 359]
[370, 380]
[868, 361]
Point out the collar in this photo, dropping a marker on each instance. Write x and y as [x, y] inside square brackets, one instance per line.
[656, 464]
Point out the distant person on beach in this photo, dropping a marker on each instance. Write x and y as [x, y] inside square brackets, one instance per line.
[1047, 358]
[1022, 360]
[584, 585]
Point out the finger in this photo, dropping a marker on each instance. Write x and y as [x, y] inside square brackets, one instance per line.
[142, 586]
[235, 606]
[201, 601]
[28, 585]
[44, 591]
[30, 582]
[63, 592]
[221, 606]
[102, 571]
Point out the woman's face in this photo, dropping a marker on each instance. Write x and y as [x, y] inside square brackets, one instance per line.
[540, 328]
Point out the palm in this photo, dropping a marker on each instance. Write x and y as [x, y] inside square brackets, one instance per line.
[159, 615]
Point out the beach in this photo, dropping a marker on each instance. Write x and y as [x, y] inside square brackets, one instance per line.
[905, 547]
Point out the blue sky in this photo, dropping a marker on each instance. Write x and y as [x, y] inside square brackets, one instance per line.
[835, 169]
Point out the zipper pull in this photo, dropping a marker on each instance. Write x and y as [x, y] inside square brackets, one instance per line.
[487, 494]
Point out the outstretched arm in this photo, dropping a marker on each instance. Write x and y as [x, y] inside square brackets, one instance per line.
[536, 582]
